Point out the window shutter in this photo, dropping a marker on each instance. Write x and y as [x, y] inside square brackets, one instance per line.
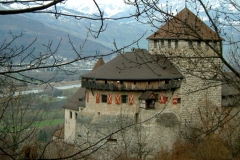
[117, 99]
[175, 101]
[97, 98]
[131, 99]
[162, 99]
[109, 99]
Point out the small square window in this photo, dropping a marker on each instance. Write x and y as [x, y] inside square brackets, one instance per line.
[155, 43]
[178, 100]
[176, 44]
[207, 45]
[162, 43]
[169, 43]
[104, 98]
[166, 81]
[199, 44]
[124, 98]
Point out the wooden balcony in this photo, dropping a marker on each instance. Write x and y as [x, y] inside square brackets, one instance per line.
[131, 85]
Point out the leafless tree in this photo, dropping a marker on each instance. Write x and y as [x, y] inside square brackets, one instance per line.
[224, 21]
[156, 14]
[15, 131]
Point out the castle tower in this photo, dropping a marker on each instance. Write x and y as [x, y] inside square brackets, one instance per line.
[71, 109]
[192, 46]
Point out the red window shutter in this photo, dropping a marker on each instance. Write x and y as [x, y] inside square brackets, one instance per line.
[175, 101]
[97, 98]
[162, 99]
[131, 100]
[117, 99]
[109, 99]
[87, 96]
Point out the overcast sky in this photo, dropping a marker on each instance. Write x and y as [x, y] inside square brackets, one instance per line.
[90, 2]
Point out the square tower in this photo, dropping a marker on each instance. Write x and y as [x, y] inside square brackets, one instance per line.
[193, 47]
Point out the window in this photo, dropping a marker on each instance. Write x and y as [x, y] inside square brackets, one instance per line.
[169, 43]
[207, 45]
[136, 117]
[190, 44]
[70, 114]
[76, 115]
[111, 139]
[176, 44]
[162, 43]
[166, 81]
[104, 98]
[178, 100]
[199, 44]
[155, 43]
[124, 98]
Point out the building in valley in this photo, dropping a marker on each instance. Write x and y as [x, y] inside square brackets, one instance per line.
[146, 97]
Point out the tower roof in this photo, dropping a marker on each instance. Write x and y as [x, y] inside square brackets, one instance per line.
[185, 25]
[99, 63]
[136, 65]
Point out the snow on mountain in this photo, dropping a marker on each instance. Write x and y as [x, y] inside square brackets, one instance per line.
[109, 7]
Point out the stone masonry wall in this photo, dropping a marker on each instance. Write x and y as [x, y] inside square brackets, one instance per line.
[198, 64]
[161, 125]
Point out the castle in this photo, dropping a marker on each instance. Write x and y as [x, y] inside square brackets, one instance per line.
[147, 97]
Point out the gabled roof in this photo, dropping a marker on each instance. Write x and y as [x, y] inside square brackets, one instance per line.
[147, 95]
[77, 100]
[179, 26]
[136, 65]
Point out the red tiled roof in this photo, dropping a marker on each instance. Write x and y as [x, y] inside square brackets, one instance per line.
[179, 28]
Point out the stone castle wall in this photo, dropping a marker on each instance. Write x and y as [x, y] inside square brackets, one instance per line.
[161, 125]
[156, 128]
[200, 67]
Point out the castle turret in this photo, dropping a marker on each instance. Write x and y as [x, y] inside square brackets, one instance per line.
[193, 47]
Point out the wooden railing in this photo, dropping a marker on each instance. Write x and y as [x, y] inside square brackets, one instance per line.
[174, 84]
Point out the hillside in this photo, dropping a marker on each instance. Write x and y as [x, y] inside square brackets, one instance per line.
[45, 35]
